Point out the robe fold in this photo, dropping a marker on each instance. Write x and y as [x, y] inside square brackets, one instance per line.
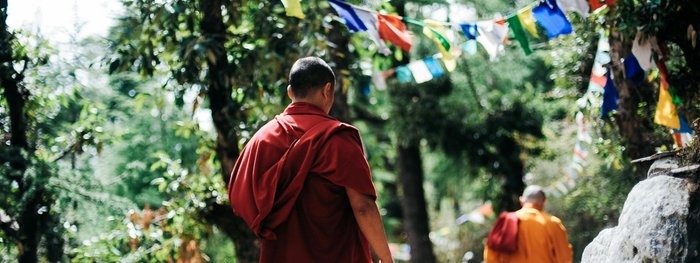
[289, 185]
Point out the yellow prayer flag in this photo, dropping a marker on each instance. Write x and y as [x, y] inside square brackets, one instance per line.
[437, 32]
[293, 8]
[528, 20]
[666, 114]
[450, 63]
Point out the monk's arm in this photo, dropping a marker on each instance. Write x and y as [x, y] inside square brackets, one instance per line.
[370, 222]
[561, 242]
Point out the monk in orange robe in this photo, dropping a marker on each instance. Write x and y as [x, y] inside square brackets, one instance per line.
[302, 183]
[541, 237]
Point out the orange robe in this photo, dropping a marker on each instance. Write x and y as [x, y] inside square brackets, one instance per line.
[541, 239]
[290, 188]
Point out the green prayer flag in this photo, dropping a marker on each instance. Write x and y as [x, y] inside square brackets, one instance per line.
[412, 21]
[443, 41]
[674, 96]
[519, 33]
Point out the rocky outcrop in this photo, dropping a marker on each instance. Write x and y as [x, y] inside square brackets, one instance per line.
[653, 225]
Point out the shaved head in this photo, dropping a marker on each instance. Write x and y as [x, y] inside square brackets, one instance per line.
[534, 194]
[309, 73]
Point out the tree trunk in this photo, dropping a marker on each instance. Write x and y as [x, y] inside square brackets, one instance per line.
[28, 235]
[222, 109]
[29, 231]
[415, 215]
[410, 171]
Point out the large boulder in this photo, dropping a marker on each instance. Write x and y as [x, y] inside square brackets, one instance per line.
[652, 226]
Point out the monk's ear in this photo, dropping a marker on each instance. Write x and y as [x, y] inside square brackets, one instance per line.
[328, 89]
[331, 89]
[289, 92]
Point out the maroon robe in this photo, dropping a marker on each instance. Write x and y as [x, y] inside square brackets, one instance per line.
[289, 184]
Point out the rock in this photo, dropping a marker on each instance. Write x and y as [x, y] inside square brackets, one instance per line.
[651, 228]
[663, 166]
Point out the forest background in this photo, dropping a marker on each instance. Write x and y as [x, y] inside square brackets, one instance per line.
[119, 146]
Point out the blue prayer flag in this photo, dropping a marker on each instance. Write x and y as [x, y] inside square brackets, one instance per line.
[552, 19]
[434, 67]
[684, 127]
[633, 71]
[346, 11]
[609, 98]
[404, 74]
[469, 47]
[469, 30]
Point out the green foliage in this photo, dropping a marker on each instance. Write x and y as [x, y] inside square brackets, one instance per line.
[105, 147]
[59, 127]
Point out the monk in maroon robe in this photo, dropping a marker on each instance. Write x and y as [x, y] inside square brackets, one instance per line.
[302, 183]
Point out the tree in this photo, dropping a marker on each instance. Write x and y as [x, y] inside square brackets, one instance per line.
[26, 173]
[668, 22]
[47, 122]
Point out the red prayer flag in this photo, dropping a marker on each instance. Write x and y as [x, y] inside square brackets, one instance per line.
[392, 29]
[600, 80]
[595, 4]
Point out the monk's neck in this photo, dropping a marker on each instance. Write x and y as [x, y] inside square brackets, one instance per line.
[309, 101]
[534, 206]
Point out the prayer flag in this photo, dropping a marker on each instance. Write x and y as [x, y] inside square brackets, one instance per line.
[682, 139]
[469, 47]
[578, 6]
[379, 80]
[684, 126]
[599, 80]
[602, 56]
[595, 86]
[577, 164]
[420, 71]
[552, 19]
[665, 109]
[632, 69]
[437, 32]
[347, 12]
[469, 30]
[519, 33]
[641, 48]
[595, 4]
[370, 20]
[293, 8]
[598, 73]
[434, 66]
[404, 74]
[571, 174]
[581, 153]
[582, 129]
[598, 69]
[528, 21]
[609, 98]
[491, 36]
[392, 29]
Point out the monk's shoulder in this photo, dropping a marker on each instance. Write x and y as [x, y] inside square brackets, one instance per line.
[552, 219]
[268, 135]
[345, 133]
